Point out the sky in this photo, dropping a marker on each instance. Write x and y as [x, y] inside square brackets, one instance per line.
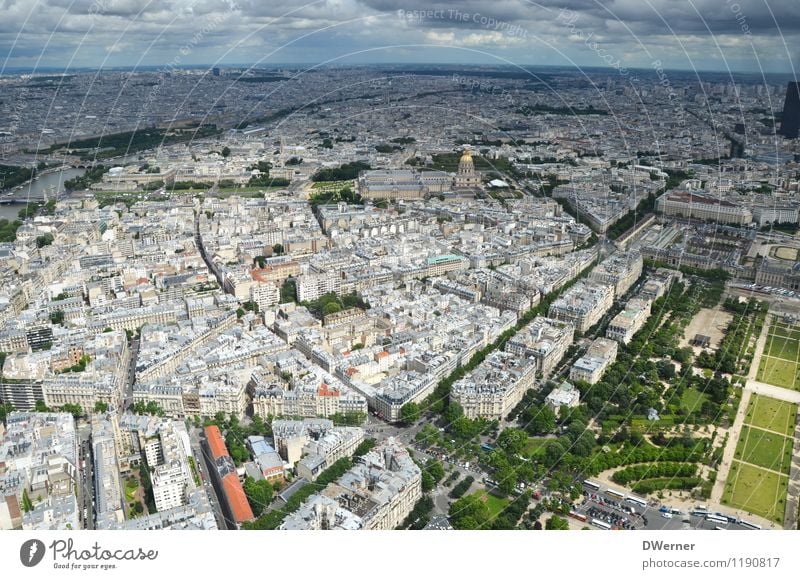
[737, 35]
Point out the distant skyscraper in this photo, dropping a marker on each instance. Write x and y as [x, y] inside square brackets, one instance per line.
[215, 71]
[790, 125]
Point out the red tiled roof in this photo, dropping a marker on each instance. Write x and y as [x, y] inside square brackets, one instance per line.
[13, 507]
[215, 442]
[325, 390]
[240, 508]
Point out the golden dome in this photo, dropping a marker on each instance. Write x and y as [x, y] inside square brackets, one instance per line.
[466, 156]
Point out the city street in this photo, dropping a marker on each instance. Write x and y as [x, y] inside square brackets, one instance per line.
[86, 486]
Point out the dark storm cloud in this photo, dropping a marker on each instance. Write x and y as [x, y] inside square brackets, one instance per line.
[710, 33]
[646, 16]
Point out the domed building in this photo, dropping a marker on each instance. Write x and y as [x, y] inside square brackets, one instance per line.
[466, 177]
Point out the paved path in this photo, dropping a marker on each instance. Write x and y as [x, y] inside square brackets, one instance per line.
[793, 494]
[730, 449]
[760, 343]
[773, 391]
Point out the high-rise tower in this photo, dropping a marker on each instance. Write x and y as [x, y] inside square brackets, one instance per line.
[790, 124]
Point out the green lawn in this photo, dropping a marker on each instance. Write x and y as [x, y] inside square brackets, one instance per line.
[778, 373]
[756, 490]
[534, 446]
[130, 490]
[693, 399]
[764, 448]
[495, 504]
[771, 414]
[332, 185]
[785, 331]
[784, 348]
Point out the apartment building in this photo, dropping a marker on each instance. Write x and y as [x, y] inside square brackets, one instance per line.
[704, 207]
[39, 463]
[322, 452]
[495, 387]
[629, 321]
[621, 271]
[378, 493]
[564, 395]
[590, 367]
[312, 286]
[545, 340]
[583, 305]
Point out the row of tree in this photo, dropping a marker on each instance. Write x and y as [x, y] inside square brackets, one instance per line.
[639, 472]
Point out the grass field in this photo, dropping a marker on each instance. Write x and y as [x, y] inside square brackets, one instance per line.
[783, 348]
[762, 445]
[756, 490]
[785, 330]
[771, 414]
[780, 363]
[535, 446]
[332, 185]
[131, 486]
[778, 373]
[495, 504]
[764, 448]
[692, 399]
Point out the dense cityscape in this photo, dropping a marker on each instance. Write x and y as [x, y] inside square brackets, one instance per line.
[399, 297]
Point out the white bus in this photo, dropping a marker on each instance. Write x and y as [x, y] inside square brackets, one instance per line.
[601, 524]
[617, 495]
[750, 525]
[591, 485]
[716, 519]
[636, 501]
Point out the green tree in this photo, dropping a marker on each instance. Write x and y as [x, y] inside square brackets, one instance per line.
[27, 504]
[469, 513]
[366, 445]
[44, 240]
[542, 420]
[288, 291]
[100, 407]
[226, 152]
[277, 249]
[427, 481]
[331, 308]
[409, 413]
[512, 440]
[556, 523]
[73, 409]
[259, 494]
[147, 486]
[57, 317]
[436, 470]
[41, 406]
[453, 412]
[5, 410]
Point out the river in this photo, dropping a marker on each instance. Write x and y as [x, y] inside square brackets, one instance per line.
[34, 191]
